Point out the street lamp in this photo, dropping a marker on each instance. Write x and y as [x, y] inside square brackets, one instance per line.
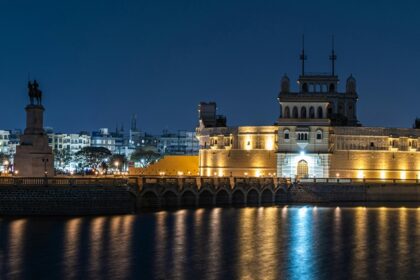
[117, 163]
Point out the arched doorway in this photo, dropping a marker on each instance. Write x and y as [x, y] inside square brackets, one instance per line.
[302, 169]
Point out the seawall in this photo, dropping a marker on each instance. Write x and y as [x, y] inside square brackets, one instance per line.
[67, 200]
[205, 192]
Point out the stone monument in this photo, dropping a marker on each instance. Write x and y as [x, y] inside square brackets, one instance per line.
[34, 157]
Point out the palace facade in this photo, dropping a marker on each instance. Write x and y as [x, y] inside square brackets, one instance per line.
[317, 135]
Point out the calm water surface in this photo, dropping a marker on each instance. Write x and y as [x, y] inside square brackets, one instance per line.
[299, 242]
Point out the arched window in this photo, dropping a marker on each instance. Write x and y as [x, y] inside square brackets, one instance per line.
[320, 113]
[295, 112]
[305, 136]
[319, 134]
[287, 112]
[332, 88]
[286, 134]
[303, 112]
[330, 110]
[341, 108]
[305, 87]
[311, 113]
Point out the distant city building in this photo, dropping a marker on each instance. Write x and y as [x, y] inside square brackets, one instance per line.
[4, 141]
[71, 142]
[180, 143]
[113, 141]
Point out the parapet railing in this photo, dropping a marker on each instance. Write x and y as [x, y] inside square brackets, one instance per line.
[67, 181]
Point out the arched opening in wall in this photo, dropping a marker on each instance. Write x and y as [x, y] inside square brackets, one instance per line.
[280, 196]
[332, 88]
[295, 112]
[302, 169]
[169, 199]
[188, 199]
[266, 197]
[149, 200]
[329, 110]
[205, 198]
[252, 197]
[312, 112]
[238, 198]
[303, 112]
[305, 87]
[286, 112]
[320, 113]
[341, 108]
[222, 197]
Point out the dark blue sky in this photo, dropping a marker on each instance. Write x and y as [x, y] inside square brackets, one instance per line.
[98, 62]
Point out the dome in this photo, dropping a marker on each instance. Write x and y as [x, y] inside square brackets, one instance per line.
[285, 83]
[351, 84]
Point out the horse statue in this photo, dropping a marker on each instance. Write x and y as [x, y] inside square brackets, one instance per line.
[35, 94]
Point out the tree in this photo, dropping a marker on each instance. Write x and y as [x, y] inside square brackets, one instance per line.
[118, 161]
[62, 158]
[144, 157]
[92, 157]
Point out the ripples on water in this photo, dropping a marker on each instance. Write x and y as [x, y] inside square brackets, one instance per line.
[245, 243]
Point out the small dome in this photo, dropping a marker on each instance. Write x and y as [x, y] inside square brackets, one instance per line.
[351, 84]
[285, 83]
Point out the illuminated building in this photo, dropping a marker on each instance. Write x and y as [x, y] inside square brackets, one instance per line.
[317, 135]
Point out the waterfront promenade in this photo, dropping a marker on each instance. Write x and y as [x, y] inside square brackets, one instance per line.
[84, 195]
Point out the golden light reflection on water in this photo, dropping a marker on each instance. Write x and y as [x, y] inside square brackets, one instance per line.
[360, 246]
[96, 244]
[245, 244]
[403, 246]
[120, 238]
[382, 232]
[215, 242]
[71, 247]
[267, 242]
[161, 243]
[16, 245]
[179, 244]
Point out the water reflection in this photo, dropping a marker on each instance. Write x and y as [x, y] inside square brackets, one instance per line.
[300, 252]
[247, 243]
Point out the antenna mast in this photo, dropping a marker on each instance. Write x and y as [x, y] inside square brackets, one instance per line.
[333, 57]
[303, 57]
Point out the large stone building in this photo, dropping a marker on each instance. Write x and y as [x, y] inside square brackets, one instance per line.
[317, 135]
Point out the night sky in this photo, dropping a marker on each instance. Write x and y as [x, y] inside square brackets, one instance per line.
[98, 62]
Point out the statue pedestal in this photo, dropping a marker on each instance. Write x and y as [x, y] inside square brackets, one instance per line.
[34, 158]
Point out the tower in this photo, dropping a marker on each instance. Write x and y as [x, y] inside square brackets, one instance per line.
[34, 157]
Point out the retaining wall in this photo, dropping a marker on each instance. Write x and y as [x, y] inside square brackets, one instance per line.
[66, 200]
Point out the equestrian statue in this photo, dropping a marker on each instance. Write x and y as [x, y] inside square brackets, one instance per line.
[35, 94]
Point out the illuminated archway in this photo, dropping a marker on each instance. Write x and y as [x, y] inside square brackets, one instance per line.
[302, 169]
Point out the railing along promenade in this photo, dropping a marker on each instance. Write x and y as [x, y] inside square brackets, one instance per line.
[232, 181]
[71, 181]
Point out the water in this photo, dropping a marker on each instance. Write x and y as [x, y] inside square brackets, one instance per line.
[300, 242]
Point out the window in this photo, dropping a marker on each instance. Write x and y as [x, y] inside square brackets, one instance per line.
[303, 112]
[320, 113]
[286, 112]
[311, 112]
[286, 134]
[319, 135]
[295, 112]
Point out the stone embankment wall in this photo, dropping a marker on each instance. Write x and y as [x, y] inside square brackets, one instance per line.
[66, 200]
[202, 192]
